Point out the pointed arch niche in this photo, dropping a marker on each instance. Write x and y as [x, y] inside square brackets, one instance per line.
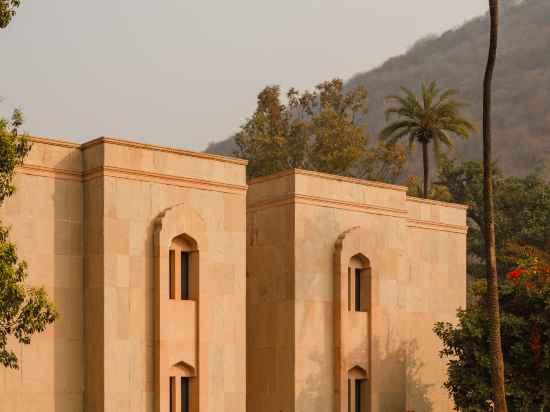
[357, 390]
[180, 252]
[352, 329]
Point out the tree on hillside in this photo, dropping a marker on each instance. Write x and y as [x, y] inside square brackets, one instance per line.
[318, 131]
[431, 119]
[24, 310]
[493, 308]
[7, 11]
[525, 301]
[522, 210]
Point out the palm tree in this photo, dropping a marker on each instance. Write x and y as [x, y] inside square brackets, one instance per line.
[431, 119]
[493, 306]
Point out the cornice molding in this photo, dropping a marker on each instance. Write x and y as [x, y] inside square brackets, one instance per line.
[345, 179]
[136, 145]
[53, 142]
[51, 172]
[288, 199]
[145, 146]
[297, 199]
[436, 203]
[192, 183]
[440, 227]
[189, 182]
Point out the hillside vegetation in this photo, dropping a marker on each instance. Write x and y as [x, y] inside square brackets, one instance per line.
[456, 59]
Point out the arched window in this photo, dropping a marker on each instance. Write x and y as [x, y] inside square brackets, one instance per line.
[183, 256]
[357, 390]
[359, 284]
[183, 374]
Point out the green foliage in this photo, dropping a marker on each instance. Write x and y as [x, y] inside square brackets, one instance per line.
[522, 207]
[7, 11]
[435, 191]
[525, 325]
[24, 311]
[430, 118]
[433, 118]
[13, 151]
[316, 130]
[383, 163]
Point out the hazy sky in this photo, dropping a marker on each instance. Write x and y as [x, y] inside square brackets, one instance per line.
[184, 73]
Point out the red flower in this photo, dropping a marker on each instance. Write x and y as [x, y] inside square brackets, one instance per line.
[514, 274]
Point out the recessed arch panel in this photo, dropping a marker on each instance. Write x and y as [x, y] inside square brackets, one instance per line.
[353, 266]
[179, 230]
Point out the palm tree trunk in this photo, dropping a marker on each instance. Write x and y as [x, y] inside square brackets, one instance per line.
[426, 161]
[493, 306]
[546, 407]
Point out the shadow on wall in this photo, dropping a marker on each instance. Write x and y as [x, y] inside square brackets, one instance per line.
[400, 384]
[67, 268]
[316, 395]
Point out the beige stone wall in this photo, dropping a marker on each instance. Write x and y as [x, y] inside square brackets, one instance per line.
[46, 216]
[416, 251]
[139, 185]
[270, 299]
[436, 245]
[95, 208]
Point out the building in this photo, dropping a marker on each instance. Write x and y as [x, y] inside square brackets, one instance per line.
[346, 279]
[181, 288]
[131, 242]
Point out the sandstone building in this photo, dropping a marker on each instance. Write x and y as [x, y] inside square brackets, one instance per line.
[182, 288]
[346, 279]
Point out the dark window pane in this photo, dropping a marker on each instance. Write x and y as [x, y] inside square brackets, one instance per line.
[172, 390]
[184, 394]
[358, 290]
[172, 275]
[358, 388]
[184, 275]
[349, 395]
[349, 289]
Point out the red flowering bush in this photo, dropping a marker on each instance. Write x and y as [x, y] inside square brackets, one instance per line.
[515, 274]
[525, 327]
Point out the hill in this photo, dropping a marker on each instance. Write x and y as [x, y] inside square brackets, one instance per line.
[456, 59]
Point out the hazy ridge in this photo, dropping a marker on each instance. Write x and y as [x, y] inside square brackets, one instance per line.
[457, 59]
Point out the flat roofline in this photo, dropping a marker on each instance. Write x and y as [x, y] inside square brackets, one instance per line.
[53, 142]
[437, 203]
[326, 176]
[353, 180]
[137, 145]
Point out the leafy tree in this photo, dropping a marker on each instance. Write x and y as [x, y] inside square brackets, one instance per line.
[383, 162]
[522, 209]
[337, 139]
[317, 130]
[430, 119]
[24, 310]
[7, 11]
[525, 324]
[435, 191]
